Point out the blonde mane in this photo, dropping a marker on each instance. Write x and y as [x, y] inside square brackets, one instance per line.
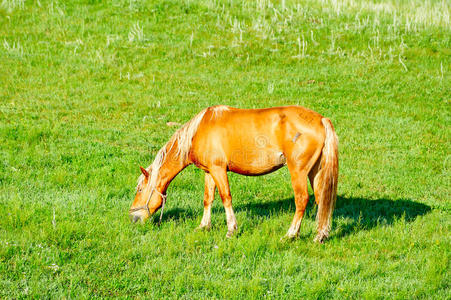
[183, 137]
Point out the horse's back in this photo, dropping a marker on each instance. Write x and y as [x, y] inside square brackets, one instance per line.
[264, 121]
[293, 113]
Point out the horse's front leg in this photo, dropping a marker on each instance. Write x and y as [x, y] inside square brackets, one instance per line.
[209, 196]
[222, 182]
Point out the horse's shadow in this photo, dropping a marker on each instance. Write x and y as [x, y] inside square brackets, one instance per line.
[355, 214]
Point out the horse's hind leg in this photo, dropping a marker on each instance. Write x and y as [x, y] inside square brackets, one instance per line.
[209, 196]
[312, 175]
[299, 167]
[301, 197]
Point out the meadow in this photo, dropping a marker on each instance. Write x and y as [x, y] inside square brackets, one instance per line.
[87, 89]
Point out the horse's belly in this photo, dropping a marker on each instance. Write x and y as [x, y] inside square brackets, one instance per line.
[255, 162]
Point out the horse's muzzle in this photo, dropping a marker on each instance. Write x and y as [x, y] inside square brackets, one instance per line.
[139, 215]
[134, 218]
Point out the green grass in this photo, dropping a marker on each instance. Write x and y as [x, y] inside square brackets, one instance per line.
[86, 90]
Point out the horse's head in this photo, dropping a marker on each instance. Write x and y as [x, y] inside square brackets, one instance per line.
[147, 199]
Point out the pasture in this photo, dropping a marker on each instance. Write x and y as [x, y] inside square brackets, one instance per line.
[87, 89]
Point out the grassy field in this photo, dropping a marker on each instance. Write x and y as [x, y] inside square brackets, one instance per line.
[86, 90]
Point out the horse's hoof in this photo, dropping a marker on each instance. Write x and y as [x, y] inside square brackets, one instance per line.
[320, 239]
[229, 234]
[287, 238]
[202, 228]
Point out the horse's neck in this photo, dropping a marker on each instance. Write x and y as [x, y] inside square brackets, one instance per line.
[171, 166]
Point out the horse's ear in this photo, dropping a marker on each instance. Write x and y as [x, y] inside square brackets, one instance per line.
[144, 171]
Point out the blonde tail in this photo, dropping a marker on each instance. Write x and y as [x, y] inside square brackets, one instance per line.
[326, 182]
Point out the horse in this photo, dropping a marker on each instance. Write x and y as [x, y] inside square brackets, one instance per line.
[250, 142]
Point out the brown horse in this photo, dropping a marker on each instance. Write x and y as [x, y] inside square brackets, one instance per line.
[248, 142]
